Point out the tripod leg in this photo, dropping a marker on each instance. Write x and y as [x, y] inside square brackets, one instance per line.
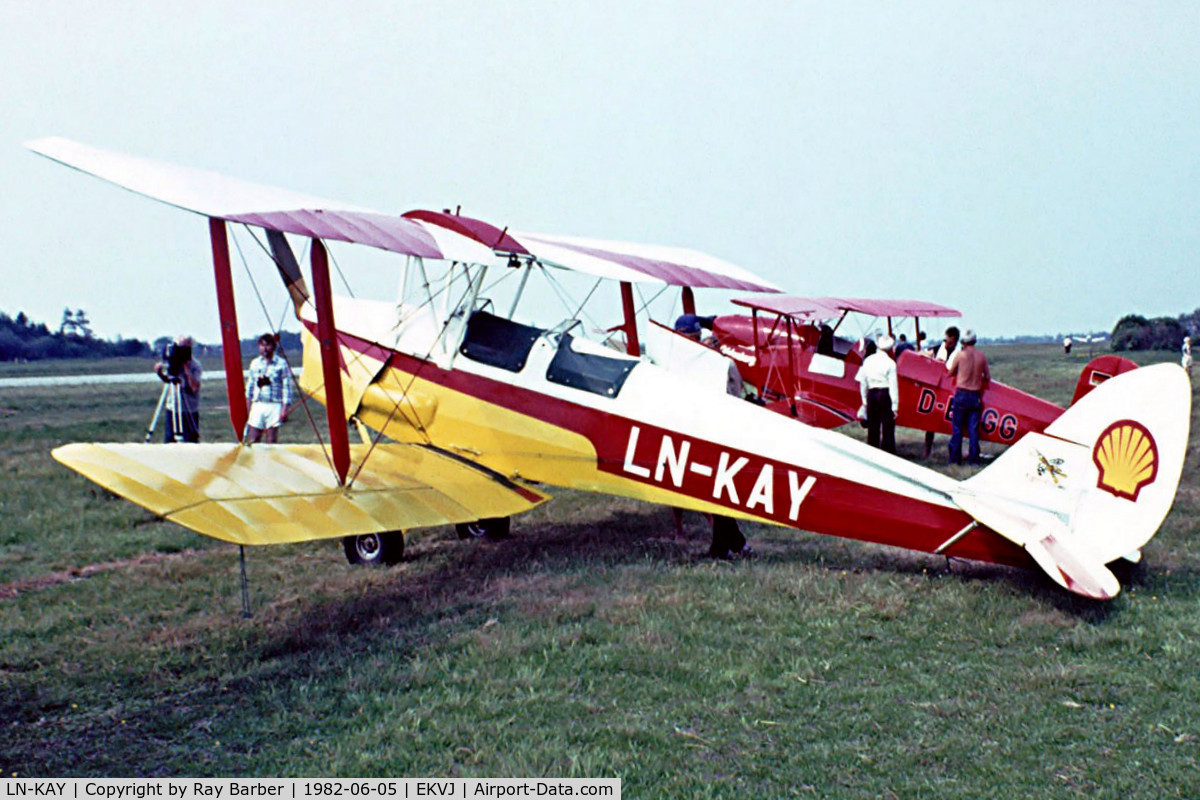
[162, 399]
[176, 413]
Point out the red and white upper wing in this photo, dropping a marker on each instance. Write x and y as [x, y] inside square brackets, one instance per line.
[235, 200]
[427, 234]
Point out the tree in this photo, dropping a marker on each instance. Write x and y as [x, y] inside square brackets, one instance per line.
[1130, 333]
[83, 325]
[1135, 332]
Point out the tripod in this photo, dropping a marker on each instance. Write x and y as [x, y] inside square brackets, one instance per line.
[171, 399]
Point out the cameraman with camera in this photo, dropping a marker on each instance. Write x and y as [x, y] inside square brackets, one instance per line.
[182, 374]
[268, 391]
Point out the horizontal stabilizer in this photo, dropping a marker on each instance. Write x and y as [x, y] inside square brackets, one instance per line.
[271, 494]
[1047, 540]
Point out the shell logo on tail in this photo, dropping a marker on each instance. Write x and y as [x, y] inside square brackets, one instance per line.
[1127, 458]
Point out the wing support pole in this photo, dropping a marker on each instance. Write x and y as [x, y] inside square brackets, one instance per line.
[335, 406]
[231, 346]
[632, 346]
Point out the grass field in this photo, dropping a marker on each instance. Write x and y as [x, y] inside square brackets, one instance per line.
[591, 644]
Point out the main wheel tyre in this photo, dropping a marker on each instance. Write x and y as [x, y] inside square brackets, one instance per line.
[490, 528]
[374, 549]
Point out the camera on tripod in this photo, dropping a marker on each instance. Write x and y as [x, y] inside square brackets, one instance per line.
[176, 356]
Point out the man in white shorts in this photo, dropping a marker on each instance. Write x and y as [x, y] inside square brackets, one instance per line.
[268, 391]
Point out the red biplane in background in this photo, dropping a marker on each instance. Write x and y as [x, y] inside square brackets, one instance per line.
[802, 368]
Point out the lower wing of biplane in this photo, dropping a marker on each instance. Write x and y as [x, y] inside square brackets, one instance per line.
[273, 494]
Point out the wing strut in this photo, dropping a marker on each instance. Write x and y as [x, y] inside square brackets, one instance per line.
[335, 407]
[689, 301]
[632, 346]
[231, 345]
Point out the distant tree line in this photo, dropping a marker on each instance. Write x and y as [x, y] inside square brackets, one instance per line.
[23, 339]
[1135, 332]
[289, 344]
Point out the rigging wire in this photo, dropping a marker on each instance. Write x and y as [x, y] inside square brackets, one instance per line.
[565, 298]
[282, 353]
[431, 298]
[338, 267]
[646, 303]
[406, 388]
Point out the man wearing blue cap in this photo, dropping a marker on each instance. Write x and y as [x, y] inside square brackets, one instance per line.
[727, 538]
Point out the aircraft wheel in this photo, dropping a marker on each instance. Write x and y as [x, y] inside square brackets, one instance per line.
[490, 528]
[374, 549]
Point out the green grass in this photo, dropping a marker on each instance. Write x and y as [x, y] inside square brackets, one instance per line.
[591, 644]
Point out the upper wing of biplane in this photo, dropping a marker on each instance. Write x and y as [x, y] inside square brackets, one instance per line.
[222, 197]
[428, 234]
[828, 307]
[287, 493]
[612, 260]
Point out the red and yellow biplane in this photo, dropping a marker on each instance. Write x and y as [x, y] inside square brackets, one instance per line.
[789, 349]
[467, 409]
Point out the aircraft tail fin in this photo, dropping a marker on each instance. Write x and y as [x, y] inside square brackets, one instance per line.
[1097, 371]
[1096, 485]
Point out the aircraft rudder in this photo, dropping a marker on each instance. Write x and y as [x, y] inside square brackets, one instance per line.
[1097, 371]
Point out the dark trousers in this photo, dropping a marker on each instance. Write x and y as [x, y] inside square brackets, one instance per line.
[186, 429]
[965, 410]
[881, 425]
[727, 538]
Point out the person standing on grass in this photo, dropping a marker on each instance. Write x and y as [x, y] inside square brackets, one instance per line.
[268, 393]
[880, 393]
[182, 373]
[727, 538]
[942, 352]
[969, 368]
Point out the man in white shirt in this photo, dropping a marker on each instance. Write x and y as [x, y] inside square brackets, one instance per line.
[880, 395]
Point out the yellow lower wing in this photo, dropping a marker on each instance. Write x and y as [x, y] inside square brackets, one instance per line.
[271, 494]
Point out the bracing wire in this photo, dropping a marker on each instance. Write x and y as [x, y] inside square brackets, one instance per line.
[646, 303]
[405, 388]
[432, 297]
[282, 354]
[338, 267]
[565, 298]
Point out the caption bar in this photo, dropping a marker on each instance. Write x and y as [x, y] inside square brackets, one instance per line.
[305, 789]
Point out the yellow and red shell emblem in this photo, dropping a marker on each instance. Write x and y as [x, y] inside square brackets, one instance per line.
[1127, 458]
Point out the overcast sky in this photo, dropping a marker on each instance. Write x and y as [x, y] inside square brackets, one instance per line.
[1034, 164]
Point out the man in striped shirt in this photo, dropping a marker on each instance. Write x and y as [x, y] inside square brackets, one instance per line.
[268, 392]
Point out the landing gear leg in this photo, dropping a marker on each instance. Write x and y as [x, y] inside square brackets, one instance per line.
[490, 528]
[375, 549]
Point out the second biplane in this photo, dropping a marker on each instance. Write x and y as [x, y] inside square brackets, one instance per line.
[789, 349]
[466, 412]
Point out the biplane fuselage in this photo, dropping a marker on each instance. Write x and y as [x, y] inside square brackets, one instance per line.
[648, 434]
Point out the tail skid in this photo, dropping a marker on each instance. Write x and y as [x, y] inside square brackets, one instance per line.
[1096, 485]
